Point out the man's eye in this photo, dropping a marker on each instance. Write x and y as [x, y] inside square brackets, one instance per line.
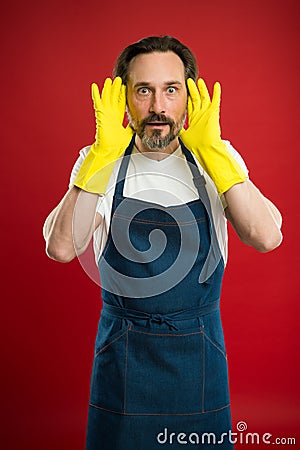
[171, 90]
[143, 91]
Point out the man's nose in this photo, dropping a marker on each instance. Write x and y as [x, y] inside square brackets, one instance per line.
[157, 105]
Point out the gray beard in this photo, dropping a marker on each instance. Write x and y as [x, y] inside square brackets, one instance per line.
[156, 141]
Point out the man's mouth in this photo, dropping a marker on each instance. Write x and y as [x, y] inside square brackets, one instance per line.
[157, 124]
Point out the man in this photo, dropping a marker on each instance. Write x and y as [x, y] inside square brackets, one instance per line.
[156, 195]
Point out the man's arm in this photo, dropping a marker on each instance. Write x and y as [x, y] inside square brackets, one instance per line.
[255, 218]
[69, 227]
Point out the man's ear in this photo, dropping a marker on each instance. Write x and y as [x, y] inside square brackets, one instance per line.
[126, 118]
[186, 122]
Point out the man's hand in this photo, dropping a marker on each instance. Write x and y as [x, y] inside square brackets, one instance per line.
[112, 138]
[203, 137]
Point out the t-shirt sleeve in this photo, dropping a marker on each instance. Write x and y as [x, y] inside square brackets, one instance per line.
[82, 154]
[237, 156]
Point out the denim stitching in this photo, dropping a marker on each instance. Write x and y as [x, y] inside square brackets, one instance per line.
[161, 414]
[126, 365]
[155, 222]
[166, 334]
[109, 344]
[217, 347]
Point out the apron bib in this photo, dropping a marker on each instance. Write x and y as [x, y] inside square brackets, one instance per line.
[160, 363]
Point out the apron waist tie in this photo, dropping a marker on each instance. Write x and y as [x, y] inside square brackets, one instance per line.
[169, 319]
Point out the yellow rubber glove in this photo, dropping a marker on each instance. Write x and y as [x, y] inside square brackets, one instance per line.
[203, 137]
[112, 138]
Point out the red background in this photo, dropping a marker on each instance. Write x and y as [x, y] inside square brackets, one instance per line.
[52, 51]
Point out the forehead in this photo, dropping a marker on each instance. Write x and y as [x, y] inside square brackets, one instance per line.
[156, 67]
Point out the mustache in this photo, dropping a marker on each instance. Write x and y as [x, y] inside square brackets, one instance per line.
[157, 118]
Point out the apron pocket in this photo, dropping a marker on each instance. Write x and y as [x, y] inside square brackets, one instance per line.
[108, 374]
[164, 372]
[216, 392]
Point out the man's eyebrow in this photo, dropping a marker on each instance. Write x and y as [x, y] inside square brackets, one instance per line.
[147, 83]
[169, 83]
[141, 83]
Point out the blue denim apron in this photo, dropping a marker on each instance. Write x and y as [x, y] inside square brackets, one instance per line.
[160, 368]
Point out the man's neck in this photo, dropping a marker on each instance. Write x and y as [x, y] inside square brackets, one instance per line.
[157, 154]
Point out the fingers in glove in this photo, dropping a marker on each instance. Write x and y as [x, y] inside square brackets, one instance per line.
[122, 98]
[96, 96]
[190, 109]
[204, 94]
[194, 102]
[118, 98]
[216, 100]
[106, 93]
[116, 90]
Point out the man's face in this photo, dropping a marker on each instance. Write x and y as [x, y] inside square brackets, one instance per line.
[156, 98]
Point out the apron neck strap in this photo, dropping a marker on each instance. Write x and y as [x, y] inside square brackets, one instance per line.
[214, 255]
[123, 168]
[198, 179]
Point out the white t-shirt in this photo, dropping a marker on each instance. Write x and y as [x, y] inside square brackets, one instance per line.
[167, 182]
